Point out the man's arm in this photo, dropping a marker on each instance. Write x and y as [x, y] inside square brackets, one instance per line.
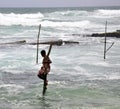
[49, 50]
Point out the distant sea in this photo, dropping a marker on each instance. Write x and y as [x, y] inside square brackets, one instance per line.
[80, 78]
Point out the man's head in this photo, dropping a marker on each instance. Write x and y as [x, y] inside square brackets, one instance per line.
[43, 53]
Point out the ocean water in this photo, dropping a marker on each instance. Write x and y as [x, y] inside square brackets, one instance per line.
[79, 79]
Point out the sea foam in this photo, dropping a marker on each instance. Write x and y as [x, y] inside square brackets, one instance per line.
[20, 19]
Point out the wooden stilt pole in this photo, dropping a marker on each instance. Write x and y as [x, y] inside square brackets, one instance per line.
[38, 44]
[44, 87]
[105, 48]
[105, 40]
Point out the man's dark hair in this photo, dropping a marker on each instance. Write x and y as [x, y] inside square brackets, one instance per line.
[43, 53]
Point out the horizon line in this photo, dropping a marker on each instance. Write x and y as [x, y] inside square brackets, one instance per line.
[61, 6]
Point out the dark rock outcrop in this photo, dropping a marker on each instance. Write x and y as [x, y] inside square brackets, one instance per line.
[112, 34]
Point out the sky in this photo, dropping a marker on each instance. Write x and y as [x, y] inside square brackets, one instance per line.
[58, 3]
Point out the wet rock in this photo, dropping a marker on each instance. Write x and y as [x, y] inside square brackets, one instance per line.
[112, 34]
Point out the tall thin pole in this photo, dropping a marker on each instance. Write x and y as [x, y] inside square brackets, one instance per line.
[105, 40]
[44, 88]
[38, 44]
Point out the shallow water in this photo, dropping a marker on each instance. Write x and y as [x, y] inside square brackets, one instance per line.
[79, 79]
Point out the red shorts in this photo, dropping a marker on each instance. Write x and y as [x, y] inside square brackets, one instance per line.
[42, 72]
